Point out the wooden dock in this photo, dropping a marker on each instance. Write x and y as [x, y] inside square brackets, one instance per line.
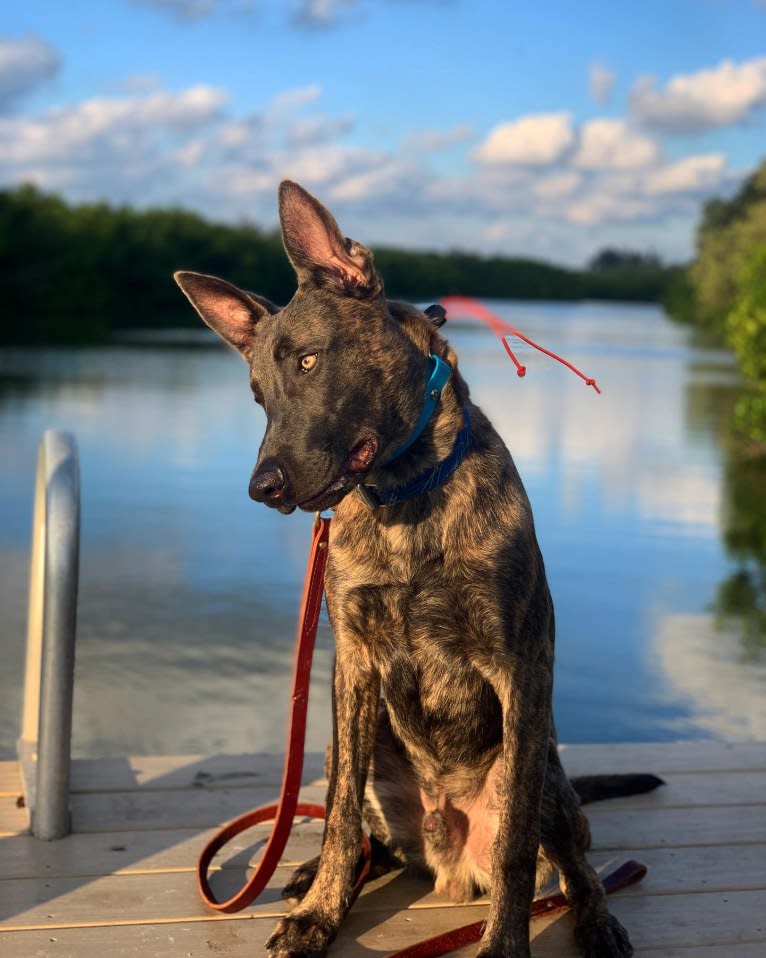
[123, 883]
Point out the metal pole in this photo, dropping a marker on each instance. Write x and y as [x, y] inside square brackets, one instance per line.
[45, 744]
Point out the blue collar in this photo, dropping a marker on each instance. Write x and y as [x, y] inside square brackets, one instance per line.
[425, 481]
[435, 475]
[436, 382]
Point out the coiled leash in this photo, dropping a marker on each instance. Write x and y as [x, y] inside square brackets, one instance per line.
[288, 807]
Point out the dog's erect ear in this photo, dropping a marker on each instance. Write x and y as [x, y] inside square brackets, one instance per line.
[318, 250]
[229, 311]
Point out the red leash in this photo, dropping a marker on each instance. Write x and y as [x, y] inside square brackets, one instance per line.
[467, 306]
[288, 806]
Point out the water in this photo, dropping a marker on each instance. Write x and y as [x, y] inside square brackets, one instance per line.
[189, 591]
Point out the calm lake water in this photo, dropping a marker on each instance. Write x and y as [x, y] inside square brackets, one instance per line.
[189, 590]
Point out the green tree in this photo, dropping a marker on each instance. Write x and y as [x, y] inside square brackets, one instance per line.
[728, 233]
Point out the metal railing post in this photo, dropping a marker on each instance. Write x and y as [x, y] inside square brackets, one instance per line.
[46, 732]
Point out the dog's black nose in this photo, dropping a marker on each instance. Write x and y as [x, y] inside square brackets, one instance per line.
[267, 483]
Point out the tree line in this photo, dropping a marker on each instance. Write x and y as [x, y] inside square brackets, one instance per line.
[78, 273]
[724, 290]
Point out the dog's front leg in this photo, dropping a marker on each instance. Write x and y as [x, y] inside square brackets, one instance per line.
[314, 923]
[524, 691]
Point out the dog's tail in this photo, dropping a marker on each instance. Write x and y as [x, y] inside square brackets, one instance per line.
[594, 788]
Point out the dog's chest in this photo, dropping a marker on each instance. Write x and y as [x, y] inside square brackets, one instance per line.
[396, 600]
[398, 581]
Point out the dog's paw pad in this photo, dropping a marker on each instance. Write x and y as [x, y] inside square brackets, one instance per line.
[605, 938]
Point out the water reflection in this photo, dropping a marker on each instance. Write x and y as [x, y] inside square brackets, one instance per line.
[701, 662]
[189, 591]
[740, 600]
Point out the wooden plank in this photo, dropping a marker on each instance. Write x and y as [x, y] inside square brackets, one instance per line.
[681, 926]
[675, 827]
[14, 817]
[203, 807]
[638, 821]
[187, 771]
[10, 778]
[695, 789]
[190, 808]
[123, 774]
[245, 940]
[137, 852]
[125, 852]
[171, 895]
[664, 757]
[181, 771]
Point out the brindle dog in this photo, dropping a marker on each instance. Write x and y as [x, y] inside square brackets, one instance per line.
[439, 603]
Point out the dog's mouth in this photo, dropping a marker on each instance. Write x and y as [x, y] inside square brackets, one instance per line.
[358, 463]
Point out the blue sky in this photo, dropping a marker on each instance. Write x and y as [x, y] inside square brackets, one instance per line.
[542, 129]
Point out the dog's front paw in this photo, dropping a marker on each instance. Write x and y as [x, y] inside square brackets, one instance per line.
[300, 936]
[605, 938]
[503, 945]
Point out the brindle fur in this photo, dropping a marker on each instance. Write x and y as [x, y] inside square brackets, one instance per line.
[440, 604]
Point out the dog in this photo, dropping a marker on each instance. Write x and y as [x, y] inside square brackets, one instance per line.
[443, 736]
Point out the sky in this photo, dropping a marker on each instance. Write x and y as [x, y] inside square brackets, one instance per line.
[549, 129]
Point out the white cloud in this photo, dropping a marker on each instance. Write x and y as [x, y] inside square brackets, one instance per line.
[314, 130]
[325, 165]
[292, 99]
[331, 13]
[322, 13]
[24, 65]
[105, 126]
[601, 80]
[234, 136]
[183, 10]
[605, 207]
[536, 140]
[693, 174]
[141, 149]
[385, 181]
[612, 144]
[190, 154]
[557, 185]
[429, 141]
[725, 94]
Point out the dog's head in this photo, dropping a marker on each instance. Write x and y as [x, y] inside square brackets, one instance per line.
[329, 368]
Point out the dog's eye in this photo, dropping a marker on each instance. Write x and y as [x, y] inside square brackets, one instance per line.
[308, 362]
